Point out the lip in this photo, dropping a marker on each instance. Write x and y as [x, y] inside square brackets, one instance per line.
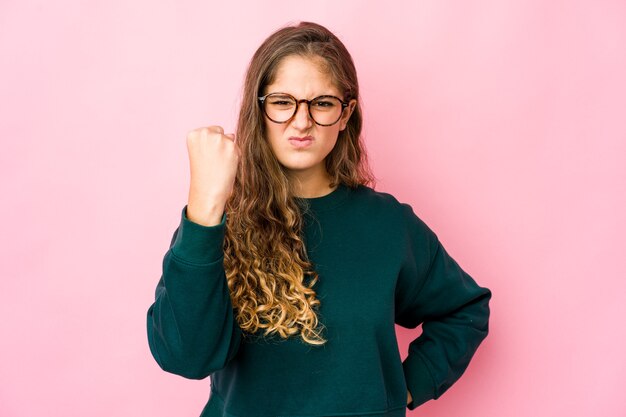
[303, 142]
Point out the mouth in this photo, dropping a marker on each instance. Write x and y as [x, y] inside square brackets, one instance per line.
[299, 142]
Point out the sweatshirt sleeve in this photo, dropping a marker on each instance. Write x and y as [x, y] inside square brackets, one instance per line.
[454, 312]
[192, 330]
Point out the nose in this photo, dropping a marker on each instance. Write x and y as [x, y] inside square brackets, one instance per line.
[302, 119]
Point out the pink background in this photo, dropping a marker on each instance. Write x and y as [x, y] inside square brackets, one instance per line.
[502, 123]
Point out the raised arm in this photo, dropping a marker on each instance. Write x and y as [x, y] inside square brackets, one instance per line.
[192, 330]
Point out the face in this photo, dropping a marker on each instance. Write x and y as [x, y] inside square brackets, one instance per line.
[301, 145]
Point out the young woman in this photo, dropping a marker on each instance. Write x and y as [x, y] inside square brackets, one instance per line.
[287, 273]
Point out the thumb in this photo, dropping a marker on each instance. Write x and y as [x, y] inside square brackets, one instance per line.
[231, 136]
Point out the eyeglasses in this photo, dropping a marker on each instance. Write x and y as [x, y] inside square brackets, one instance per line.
[281, 107]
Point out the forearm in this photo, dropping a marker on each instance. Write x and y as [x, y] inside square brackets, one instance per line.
[192, 329]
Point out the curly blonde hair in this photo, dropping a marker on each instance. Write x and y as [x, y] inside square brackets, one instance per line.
[270, 278]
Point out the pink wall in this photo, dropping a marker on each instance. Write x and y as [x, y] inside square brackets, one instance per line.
[502, 123]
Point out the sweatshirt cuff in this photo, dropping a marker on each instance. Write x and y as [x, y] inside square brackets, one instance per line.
[199, 244]
[418, 380]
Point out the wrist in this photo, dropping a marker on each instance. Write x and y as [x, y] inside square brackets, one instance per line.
[207, 214]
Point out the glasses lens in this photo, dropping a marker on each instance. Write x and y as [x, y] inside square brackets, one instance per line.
[280, 107]
[326, 110]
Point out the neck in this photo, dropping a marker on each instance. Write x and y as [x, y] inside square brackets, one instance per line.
[305, 185]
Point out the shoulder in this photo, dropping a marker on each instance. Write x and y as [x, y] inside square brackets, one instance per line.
[367, 195]
[386, 206]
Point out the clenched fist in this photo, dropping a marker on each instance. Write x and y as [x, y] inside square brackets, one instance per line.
[213, 160]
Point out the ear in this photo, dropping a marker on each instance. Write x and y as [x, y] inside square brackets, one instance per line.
[347, 112]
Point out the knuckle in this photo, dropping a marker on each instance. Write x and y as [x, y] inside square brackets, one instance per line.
[216, 129]
[192, 134]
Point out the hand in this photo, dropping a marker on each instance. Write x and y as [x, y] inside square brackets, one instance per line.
[409, 398]
[213, 161]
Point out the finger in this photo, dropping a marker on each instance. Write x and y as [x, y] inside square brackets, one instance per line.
[217, 129]
[231, 136]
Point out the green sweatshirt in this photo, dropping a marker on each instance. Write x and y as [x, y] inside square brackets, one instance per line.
[378, 265]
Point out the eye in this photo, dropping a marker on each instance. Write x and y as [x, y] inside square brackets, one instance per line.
[325, 103]
[282, 101]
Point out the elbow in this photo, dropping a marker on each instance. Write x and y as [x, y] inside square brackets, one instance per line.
[484, 303]
[189, 361]
[480, 315]
[189, 365]
[474, 316]
[186, 370]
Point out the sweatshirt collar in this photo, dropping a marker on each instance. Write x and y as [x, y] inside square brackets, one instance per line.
[325, 202]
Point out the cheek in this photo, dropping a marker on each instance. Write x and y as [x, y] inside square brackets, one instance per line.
[333, 136]
[273, 135]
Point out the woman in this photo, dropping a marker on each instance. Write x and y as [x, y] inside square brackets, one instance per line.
[287, 272]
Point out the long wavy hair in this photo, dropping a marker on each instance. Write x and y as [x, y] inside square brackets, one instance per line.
[270, 277]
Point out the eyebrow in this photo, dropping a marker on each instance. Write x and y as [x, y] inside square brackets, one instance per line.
[315, 96]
